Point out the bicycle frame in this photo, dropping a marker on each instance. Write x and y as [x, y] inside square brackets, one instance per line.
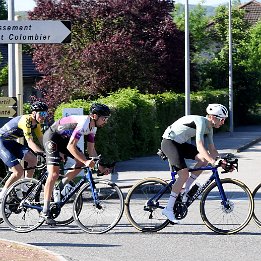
[87, 177]
[214, 176]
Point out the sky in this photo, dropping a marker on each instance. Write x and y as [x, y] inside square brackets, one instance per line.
[25, 5]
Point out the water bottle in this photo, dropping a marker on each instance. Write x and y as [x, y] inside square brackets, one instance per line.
[193, 190]
[66, 190]
[56, 194]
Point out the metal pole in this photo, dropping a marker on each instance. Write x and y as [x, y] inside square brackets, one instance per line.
[230, 93]
[11, 56]
[19, 75]
[187, 61]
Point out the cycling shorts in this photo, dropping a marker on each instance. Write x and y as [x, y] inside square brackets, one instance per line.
[177, 153]
[11, 151]
[54, 144]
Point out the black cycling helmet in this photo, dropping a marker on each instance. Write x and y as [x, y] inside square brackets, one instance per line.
[39, 106]
[100, 109]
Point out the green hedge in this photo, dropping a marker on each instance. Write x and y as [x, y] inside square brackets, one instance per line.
[139, 120]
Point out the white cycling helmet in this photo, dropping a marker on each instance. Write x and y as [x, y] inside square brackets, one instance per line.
[217, 110]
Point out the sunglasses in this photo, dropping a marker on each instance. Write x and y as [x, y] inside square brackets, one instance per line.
[43, 113]
[220, 119]
[105, 118]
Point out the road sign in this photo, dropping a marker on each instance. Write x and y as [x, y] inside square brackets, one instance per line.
[8, 101]
[35, 31]
[7, 112]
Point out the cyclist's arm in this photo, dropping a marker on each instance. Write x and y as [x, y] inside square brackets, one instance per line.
[203, 152]
[91, 149]
[33, 146]
[78, 155]
[213, 151]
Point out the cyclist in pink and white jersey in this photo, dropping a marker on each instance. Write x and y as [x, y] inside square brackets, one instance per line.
[63, 137]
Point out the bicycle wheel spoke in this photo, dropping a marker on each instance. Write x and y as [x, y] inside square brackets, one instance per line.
[17, 215]
[232, 216]
[99, 218]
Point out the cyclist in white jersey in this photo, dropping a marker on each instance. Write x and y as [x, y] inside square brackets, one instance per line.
[175, 147]
[62, 138]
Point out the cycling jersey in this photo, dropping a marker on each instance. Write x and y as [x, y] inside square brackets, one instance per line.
[10, 149]
[20, 126]
[187, 127]
[56, 138]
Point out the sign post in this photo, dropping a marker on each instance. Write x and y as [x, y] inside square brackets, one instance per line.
[35, 31]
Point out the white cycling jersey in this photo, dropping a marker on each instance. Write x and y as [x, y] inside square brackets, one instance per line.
[187, 127]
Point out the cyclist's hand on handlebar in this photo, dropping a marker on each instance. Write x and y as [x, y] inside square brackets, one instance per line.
[89, 163]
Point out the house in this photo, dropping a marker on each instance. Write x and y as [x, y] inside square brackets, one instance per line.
[252, 11]
[30, 74]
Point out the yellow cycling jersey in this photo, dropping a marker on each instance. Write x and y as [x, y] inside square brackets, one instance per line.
[21, 126]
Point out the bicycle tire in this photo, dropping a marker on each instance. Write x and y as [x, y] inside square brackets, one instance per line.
[20, 218]
[230, 220]
[98, 220]
[257, 207]
[151, 219]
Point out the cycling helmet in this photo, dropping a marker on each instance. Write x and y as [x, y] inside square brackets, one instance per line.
[100, 109]
[39, 106]
[217, 110]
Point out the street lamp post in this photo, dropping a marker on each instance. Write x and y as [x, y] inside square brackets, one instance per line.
[187, 61]
[230, 73]
[11, 56]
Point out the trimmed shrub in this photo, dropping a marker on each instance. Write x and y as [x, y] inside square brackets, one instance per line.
[139, 120]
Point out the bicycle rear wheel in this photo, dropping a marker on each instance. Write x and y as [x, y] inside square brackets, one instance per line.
[257, 208]
[228, 219]
[16, 214]
[98, 219]
[143, 217]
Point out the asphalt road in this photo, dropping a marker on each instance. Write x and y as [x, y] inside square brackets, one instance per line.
[191, 240]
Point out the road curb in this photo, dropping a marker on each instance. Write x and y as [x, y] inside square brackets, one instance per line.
[57, 256]
[246, 146]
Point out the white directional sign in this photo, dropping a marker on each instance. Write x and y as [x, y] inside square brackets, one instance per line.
[35, 31]
[7, 112]
[7, 101]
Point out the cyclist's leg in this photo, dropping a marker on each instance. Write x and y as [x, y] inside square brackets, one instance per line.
[177, 162]
[201, 162]
[10, 152]
[31, 159]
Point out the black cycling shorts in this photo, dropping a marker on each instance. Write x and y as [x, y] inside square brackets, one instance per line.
[54, 144]
[177, 153]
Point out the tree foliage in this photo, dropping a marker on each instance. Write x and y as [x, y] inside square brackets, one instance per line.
[3, 10]
[116, 44]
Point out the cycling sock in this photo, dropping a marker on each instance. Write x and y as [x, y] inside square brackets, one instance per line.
[189, 181]
[46, 207]
[172, 200]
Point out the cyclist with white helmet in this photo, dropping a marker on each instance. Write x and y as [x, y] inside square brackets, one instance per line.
[175, 146]
[11, 151]
[62, 138]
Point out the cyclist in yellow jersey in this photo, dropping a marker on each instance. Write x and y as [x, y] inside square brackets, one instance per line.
[11, 151]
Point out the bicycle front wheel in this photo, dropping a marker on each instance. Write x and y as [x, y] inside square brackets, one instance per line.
[229, 217]
[143, 216]
[257, 208]
[17, 215]
[98, 217]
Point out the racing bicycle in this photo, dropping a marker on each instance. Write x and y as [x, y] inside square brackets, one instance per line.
[226, 205]
[97, 207]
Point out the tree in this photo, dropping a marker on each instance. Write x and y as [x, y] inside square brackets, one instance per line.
[4, 70]
[215, 71]
[3, 10]
[116, 44]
